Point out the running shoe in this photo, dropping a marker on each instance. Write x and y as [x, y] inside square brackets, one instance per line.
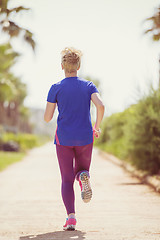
[70, 224]
[86, 191]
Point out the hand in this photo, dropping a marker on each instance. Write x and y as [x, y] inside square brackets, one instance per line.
[96, 132]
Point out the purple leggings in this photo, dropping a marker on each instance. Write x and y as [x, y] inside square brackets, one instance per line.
[72, 161]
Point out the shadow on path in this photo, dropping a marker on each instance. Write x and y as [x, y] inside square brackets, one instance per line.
[57, 235]
[131, 183]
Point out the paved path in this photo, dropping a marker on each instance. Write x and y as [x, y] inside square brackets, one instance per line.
[31, 205]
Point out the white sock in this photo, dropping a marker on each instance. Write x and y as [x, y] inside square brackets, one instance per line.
[71, 215]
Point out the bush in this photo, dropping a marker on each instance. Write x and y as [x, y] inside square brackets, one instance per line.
[135, 133]
[25, 141]
[115, 133]
[9, 143]
[10, 146]
[145, 136]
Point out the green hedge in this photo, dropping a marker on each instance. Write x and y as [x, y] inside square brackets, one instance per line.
[25, 141]
[134, 135]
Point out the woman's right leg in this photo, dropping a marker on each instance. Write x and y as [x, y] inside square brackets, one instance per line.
[83, 155]
[65, 158]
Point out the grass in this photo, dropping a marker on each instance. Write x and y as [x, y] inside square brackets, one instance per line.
[25, 141]
[7, 158]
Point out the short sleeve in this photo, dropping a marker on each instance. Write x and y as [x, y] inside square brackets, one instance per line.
[52, 95]
[92, 88]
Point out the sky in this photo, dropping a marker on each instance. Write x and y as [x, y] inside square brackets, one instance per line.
[108, 32]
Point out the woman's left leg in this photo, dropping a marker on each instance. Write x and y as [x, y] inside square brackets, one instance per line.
[65, 156]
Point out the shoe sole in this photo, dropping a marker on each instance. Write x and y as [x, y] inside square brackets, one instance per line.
[69, 228]
[87, 193]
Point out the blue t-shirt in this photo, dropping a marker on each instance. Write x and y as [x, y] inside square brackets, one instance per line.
[73, 97]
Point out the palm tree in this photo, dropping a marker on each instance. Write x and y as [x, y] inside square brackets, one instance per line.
[7, 60]
[10, 27]
[12, 90]
[154, 30]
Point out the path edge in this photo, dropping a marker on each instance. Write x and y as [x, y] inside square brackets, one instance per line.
[144, 177]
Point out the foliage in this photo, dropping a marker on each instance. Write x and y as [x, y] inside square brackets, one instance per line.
[26, 141]
[134, 135]
[11, 87]
[155, 28]
[7, 57]
[12, 90]
[116, 132]
[146, 136]
[12, 28]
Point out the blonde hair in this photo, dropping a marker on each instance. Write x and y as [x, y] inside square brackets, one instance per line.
[71, 59]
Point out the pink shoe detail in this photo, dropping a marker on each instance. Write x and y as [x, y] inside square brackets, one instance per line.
[70, 224]
[65, 225]
[80, 184]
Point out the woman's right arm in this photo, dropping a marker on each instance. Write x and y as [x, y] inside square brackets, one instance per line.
[50, 108]
[96, 99]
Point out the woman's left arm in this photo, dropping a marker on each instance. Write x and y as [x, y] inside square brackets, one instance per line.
[50, 108]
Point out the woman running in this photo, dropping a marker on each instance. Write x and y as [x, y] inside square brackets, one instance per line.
[74, 134]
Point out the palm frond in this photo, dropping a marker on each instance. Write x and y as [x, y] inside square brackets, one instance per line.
[156, 37]
[11, 28]
[28, 37]
[16, 9]
[149, 30]
[151, 18]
